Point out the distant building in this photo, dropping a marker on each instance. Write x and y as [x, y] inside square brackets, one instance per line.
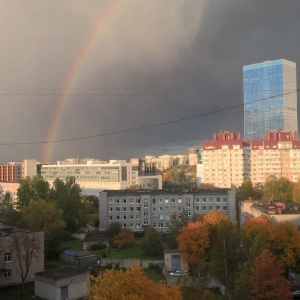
[94, 176]
[142, 208]
[278, 211]
[225, 160]
[193, 156]
[9, 187]
[270, 98]
[10, 263]
[11, 172]
[228, 160]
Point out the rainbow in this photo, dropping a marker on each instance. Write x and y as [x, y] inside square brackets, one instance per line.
[73, 74]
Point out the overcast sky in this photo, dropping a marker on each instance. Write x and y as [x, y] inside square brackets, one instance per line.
[180, 58]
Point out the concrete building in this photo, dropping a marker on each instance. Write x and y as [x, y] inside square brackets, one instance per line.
[9, 187]
[11, 172]
[270, 98]
[225, 160]
[61, 283]
[94, 176]
[11, 259]
[193, 156]
[142, 208]
[278, 211]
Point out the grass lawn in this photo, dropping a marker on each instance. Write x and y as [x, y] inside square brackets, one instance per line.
[72, 244]
[155, 275]
[134, 251]
[54, 263]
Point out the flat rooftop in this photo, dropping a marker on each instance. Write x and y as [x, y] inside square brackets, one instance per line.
[61, 273]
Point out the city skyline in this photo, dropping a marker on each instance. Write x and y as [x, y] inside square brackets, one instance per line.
[270, 98]
[78, 73]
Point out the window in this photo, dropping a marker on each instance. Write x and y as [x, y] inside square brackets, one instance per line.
[154, 201]
[218, 200]
[146, 222]
[117, 201]
[130, 208]
[203, 200]
[218, 207]
[179, 200]
[138, 225]
[124, 201]
[130, 201]
[210, 208]
[124, 225]
[166, 200]
[173, 208]
[131, 225]
[203, 208]
[110, 218]
[224, 200]
[110, 209]
[166, 208]
[188, 204]
[154, 208]
[197, 208]
[197, 200]
[124, 217]
[124, 209]
[224, 207]
[211, 200]
[167, 217]
[154, 225]
[138, 217]
[146, 205]
[146, 213]
[161, 217]
[109, 201]
[179, 208]
[161, 225]
[118, 217]
[117, 208]
[160, 201]
[189, 213]
[137, 209]
[167, 225]
[131, 217]
[138, 201]
[172, 200]
[160, 208]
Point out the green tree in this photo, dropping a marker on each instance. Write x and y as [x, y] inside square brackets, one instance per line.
[296, 192]
[43, 215]
[67, 198]
[31, 189]
[246, 191]
[9, 214]
[175, 226]
[278, 188]
[113, 229]
[152, 244]
[243, 286]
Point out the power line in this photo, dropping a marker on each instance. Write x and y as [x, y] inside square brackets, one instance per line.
[148, 126]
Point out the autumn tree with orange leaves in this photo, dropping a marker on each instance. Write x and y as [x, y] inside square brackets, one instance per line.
[268, 281]
[132, 284]
[192, 242]
[124, 239]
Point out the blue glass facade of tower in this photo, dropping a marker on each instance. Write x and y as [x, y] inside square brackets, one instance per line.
[266, 107]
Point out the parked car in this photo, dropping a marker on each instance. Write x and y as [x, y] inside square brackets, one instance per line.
[296, 295]
[177, 273]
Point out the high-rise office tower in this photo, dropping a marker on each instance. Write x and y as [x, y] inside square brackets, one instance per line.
[270, 98]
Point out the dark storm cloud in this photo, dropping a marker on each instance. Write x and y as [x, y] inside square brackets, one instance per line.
[189, 53]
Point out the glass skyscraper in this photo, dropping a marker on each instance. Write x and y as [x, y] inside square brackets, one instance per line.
[270, 98]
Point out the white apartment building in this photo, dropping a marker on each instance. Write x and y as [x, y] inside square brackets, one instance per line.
[225, 160]
[94, 177]
[228, 161]
[142, 208]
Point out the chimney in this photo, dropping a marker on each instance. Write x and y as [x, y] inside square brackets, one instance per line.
[238, 135]
[268, 136]
[214, 136]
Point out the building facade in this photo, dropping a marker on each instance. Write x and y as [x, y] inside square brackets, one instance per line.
[156, 208]
[94, 176]
[270, 98]
[227, 160]
[11, 258]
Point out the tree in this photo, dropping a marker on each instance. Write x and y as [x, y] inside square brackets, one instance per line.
[278, 188]
[193, 241]
[43, 215]
[9, 215]
[124, 239]
[67, 198]
[296, 192]
[25, 247]
[176, 224]
[132, 284]
[246, 191]
[31, 189]
[243, 286]
[152, 244]
[113, 229]
[268, 279]
[207, 186]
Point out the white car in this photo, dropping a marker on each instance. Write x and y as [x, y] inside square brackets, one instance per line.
[177, 273]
